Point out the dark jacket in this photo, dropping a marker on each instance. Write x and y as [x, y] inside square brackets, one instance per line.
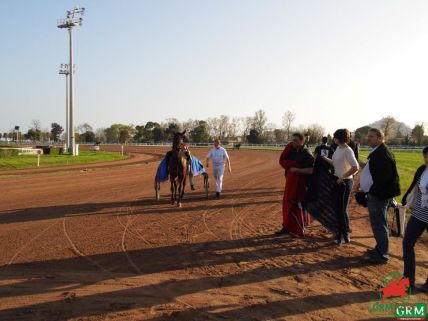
[386, 182]
[417, 176]
[321, 147]
[355, 148]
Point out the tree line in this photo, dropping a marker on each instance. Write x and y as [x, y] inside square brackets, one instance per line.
[254, 129]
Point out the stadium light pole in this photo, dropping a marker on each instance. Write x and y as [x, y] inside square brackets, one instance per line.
[17, 133]
[74, 18]
[64, 70]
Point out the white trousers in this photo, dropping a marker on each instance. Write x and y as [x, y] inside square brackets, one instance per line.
[190, 175]
[218, 171]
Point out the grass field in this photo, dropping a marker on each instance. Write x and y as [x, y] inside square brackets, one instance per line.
[407, 163]
[85, 157]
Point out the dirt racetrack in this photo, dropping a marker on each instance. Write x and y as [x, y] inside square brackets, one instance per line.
[94, 244]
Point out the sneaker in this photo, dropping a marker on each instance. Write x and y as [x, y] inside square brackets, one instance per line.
[282, 231]
[192, 187]
[338, 241]
[347, 239]
[217, 194]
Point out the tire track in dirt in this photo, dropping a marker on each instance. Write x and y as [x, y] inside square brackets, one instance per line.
[73, 245]
[26, 245]
[137, 270]
[239, 221]
[78, 252]
[128, 257]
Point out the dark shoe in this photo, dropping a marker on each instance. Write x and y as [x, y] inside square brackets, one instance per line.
[378, 260]
[192, 187]
[372, 252]
[282, 231]
[217, 194]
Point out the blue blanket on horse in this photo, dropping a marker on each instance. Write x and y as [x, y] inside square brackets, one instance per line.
[197, 168]
[162, 174]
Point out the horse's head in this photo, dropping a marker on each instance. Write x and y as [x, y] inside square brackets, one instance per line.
[178, 139]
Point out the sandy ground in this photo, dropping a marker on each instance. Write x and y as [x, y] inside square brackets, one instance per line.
[93, 244]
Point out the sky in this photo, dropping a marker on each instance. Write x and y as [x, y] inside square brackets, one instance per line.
[332, 62]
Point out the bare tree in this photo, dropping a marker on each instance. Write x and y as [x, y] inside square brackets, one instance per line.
[269, 134]
[259, 121]
[83, 128]
[315, 133]
[223, 126]
[36, 125]
[189, 124]
[246, 123]
[213, 126]
[388, 124]
[287, 122]
[235, 126]
[100, 135]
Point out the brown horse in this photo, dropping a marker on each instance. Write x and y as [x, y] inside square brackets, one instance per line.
[177, 169]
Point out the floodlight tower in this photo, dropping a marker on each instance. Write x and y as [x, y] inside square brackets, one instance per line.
[65, 71]
[17, 133]
[74, 18]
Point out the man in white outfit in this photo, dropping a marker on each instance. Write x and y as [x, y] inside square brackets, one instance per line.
[218, 155]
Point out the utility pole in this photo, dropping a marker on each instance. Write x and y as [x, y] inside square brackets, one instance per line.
[74, 18]
[17, 133]
[64, 70]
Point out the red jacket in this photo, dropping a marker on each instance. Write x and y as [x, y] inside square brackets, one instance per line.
[295, 184]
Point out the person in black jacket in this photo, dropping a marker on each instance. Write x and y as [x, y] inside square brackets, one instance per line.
[323, 149]
[355, 146]
[418, 222]
[380, 180]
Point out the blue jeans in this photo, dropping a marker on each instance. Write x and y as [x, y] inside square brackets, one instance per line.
[379, 221]
[349, 183]
[344, 215]
[414, 230]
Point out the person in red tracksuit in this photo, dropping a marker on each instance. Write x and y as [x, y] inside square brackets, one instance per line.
[297, 161]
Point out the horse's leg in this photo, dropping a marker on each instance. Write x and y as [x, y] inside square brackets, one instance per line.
[179, 191]
[182, 187]
[172, 191]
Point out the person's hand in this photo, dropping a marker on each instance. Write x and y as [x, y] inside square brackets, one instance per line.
[230, 170]
[357, 186]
